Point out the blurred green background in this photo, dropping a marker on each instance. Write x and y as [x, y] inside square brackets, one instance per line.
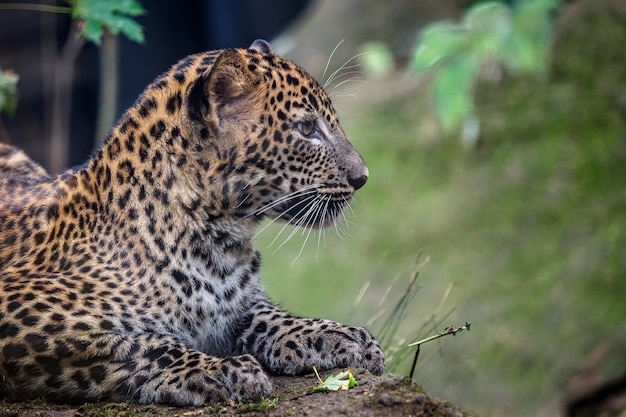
[528, 226]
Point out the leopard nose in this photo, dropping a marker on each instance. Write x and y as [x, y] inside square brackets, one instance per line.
[357, 181]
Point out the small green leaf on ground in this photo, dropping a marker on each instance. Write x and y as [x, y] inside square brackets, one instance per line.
[342, 381]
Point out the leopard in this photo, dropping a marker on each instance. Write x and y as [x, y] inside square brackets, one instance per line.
[134, 276]
[15, 161]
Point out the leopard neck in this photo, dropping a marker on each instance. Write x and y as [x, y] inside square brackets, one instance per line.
[145, 186]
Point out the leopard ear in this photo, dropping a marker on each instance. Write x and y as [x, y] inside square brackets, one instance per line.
[222, 92]
[262, 46]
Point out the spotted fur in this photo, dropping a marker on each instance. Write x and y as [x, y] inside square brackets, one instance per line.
[14, 161]
[135, 278]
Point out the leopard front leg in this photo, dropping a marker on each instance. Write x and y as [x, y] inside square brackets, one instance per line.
[143, 368]
[172, 373]
[291, 345]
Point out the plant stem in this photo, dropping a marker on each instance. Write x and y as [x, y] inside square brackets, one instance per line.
[62, 100]
[449, 330]
[417, 354]
[4, 135]
[48, 55]
[109, 82]
[390, 326]
[33, 7]
[317, 375]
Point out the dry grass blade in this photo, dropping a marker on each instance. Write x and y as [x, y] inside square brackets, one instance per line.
[390, 326]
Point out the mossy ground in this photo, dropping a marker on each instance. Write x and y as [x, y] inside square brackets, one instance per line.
[372, 397]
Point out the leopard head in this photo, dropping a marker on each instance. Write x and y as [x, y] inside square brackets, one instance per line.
[275, 143]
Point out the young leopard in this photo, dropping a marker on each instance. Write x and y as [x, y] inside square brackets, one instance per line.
[134, 277]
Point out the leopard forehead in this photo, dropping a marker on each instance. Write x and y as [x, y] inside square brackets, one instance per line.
[289, 87]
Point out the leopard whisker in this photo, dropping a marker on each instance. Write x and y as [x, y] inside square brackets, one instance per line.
[285, 198]
[345, 66]
[243, 200]
[302, 222]
[342, 94]
[324, 215]
[296, 217]
[350, 223]
[348, 206]
[277, 218]
[279, 201]
[268, 224]
[322, 229]
[351, 79]
[313, 215]
[354, 74]
[247, 196]
[330, 59]
[310, 230]
[310, 189]
[351, 71]
[336, 226]
[345, 231]
[345, 220]
[321, 221]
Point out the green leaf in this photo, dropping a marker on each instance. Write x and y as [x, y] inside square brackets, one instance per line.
[537, 8]
[342, 381]
[452, 91]
[525, 55]
[488, 17]
[113, 15]
[489, 26]
[530, 45]
[92, 30]
[438, 42]
[491, 34]
[8, 91]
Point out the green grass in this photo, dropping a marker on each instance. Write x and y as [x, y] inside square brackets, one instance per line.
[529, 229]
[264, 405]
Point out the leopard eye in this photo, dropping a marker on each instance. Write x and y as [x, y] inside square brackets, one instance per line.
[307, 128]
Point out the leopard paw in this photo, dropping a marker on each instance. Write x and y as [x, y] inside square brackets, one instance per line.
[329, 346]
[234, 378]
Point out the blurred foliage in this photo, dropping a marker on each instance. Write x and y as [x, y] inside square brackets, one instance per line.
[112, 15]
[395, 23]
[116, 16]
[600, 66]
[376, 58]
[8, 91]
[491, 36]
